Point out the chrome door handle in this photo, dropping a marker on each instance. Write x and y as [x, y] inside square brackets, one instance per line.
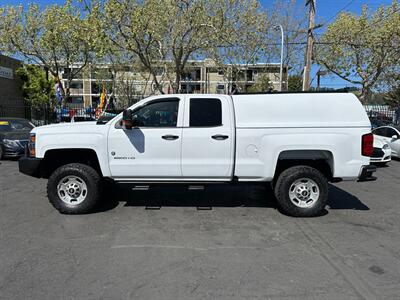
[220, 137]
[170, 137]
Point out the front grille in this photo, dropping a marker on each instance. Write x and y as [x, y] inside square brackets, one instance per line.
[377, 152]
[22, 143]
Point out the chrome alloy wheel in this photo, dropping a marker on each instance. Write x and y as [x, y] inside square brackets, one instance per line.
[304, 192]
[72, 190]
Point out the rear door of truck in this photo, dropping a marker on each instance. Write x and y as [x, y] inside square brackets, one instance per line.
[208, 138]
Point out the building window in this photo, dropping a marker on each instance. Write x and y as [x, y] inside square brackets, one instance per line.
[249, 75]
[220, 88]
[77, 74]
[95, 88]
[95, 101]
[205, 112]
[76, 85]
[192, 75]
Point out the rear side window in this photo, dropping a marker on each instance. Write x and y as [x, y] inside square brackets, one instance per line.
[205, 112]
[391, 132]
[380, 131]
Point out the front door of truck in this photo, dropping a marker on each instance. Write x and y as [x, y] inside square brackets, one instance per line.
[207, 138]
[152, 150]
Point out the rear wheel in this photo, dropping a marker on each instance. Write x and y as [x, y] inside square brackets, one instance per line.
[74, 189]
[1, 153]
[302, 191]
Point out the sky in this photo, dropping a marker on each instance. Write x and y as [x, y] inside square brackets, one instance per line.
[326, 10]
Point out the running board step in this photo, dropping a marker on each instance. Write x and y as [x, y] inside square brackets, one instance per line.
[141, 188]
[196, 187]
[152, 207]
[199, 188]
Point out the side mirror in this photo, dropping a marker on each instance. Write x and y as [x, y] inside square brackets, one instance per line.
[136, 122]
[127, 119]
[394, 137]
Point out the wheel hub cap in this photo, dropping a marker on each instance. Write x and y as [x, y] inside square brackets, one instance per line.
[304, 192]
[72, 190]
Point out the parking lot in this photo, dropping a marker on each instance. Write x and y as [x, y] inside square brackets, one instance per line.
[242, 248]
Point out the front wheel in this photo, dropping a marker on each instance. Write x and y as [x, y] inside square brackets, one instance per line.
[74, 189]
[302, 191]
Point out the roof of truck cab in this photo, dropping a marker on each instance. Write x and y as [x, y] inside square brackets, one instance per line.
[299, 110]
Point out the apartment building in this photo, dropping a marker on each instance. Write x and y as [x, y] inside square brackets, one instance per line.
[200, 76]
[11, 97]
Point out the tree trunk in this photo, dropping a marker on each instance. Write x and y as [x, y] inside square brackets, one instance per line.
[67, 94]
[365, 94]
[177, 87]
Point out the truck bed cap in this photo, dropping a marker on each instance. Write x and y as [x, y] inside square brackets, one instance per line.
[299, 110]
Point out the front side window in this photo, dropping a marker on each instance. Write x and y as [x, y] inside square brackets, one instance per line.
[158, 114]
[205, 112]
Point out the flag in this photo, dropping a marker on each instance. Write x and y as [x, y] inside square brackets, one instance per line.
[58, 91]
[103, 98]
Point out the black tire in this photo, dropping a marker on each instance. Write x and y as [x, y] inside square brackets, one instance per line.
[1, 153]
[90, 177]
[285, 181]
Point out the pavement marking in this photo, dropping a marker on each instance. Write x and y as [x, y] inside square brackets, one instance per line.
[336, 261]
[188, 247]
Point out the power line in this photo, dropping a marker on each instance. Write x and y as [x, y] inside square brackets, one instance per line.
[342, 9]
[362, 29]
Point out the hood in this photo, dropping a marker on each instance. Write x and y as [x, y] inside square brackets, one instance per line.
[378, 143]
[15, 135]
[65, 126]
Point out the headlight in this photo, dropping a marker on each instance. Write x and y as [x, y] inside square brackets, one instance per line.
[31, 145]
[386, 146]
[10, 142]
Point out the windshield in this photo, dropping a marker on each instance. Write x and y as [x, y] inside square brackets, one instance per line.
[108, 115]
[14, 125]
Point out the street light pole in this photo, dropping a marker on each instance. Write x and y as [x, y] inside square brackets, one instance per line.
[279, 26]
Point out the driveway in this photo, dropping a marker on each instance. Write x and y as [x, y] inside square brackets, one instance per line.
[243, 248]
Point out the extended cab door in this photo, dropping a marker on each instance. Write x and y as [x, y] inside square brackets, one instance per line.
[151, 151]
[208, 138]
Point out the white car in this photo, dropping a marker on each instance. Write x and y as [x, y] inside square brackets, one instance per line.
[382, 152]
[389, 135]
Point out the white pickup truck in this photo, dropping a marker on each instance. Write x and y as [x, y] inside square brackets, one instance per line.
[296, 142]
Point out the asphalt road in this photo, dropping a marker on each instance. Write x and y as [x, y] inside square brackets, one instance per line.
[243, 248]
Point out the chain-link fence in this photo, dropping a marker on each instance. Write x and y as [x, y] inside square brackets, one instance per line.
[381, 115]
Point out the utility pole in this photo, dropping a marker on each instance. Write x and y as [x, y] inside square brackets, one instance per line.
[310, 45]
[279, 26]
